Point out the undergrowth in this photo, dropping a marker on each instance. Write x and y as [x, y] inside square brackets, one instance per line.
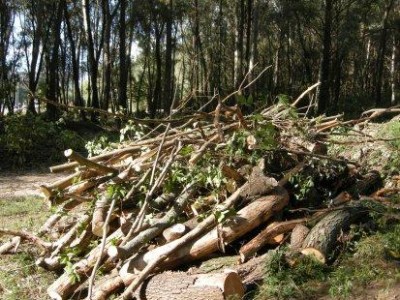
[31, 140]
[372, 260]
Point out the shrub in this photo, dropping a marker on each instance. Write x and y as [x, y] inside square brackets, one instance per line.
[27, 141]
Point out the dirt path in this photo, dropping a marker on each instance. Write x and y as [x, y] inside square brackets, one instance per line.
[25, 183]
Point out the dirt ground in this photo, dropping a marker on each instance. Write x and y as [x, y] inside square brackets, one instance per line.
[22, 184]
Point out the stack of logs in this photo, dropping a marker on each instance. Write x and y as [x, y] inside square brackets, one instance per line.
[127, 217]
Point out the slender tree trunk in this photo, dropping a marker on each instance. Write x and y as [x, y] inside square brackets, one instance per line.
[203, 72]
[239, 42]
[5, 33]
[157, 88]
[106, 55]
[393, 71]
[306, 57]
[381, 55]
[92, 62]
[53, 90]
[78, 101]
[324, 89]
[123, 70]
[168, 73]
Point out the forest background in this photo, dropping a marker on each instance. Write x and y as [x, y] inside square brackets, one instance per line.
[145, 58]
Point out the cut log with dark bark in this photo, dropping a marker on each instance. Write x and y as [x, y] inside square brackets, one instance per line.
[324, 236]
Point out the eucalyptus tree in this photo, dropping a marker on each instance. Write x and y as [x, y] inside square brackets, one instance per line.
[73, 23]
[35, 18]
[7, 16]
[53, 90]
[93, 52]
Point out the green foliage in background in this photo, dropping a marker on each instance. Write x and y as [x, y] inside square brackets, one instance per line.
[27, 141]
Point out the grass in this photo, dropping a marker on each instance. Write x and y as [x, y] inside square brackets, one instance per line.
[369, 264]
[20, 278]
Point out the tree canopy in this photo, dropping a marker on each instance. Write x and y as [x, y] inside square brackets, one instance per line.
[151, 56]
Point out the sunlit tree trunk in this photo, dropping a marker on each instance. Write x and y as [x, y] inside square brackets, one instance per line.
[92, 62]
[123, 70]
[239, 42]
[78, 101]
[393, 64]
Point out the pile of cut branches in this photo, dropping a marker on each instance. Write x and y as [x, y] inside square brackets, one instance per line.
[219, 183]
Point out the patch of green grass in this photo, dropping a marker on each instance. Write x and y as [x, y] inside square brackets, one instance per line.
[282, 281]
[22, 213]
[372, 260]
[20, 278]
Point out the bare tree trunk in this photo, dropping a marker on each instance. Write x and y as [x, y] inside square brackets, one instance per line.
[123, 70]
[381, 55]
[393, 71]
[168, 70]
[53, 90]
[92, 62]
[249, 26]
[239, 42]
[203, 71]
[78, 101]
[6, 25]
[157, 88]
[324, 89]
[107, 19]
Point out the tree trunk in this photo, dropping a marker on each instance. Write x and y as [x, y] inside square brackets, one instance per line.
[239, 42]
[107, 19]
[53, 90]
[123, 70]
[393, 76]
[168, 70]
[380, 60]
[325, 235]
[323, 92]
[92, 62]
[157, 88]
[78, 101]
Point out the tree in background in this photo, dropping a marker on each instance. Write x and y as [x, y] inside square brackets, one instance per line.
[136, 56]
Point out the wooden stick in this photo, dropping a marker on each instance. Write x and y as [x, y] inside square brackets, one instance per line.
[11, 246]
[272, 230]
[29, 237]
[72, 155]
[102, 246]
